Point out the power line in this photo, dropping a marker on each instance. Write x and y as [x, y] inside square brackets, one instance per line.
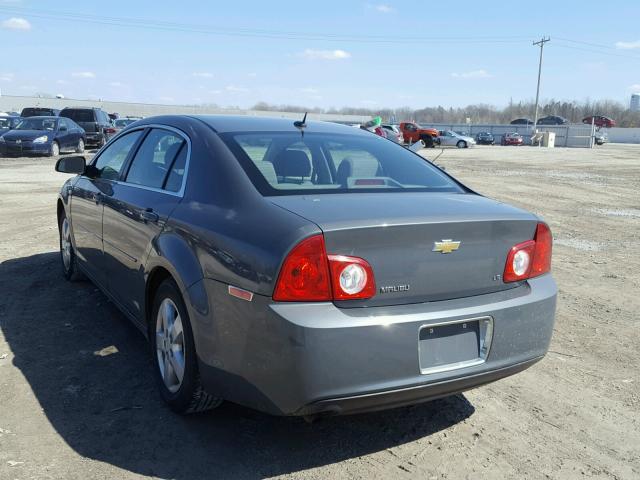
[608, 54]
[580, 42]
[253, 32]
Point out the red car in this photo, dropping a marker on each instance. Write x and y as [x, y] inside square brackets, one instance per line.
[512, 139]
[599, 121]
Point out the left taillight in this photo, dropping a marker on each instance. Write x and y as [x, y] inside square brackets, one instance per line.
[531, 258]
[308, 274]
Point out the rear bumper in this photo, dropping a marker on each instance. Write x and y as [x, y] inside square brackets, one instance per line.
[94, 138]
[299, 359]
[410, 395]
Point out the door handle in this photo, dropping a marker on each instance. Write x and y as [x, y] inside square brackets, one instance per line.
[98, 198]
[149, 215]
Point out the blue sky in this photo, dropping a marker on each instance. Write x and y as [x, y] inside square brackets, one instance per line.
[326, 54]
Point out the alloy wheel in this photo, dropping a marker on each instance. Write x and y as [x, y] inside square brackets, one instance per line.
[170, 345]
[65, 244]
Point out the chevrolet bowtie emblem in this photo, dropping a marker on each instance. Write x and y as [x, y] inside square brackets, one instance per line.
[446, 246]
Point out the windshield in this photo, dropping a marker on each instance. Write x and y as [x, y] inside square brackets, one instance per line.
[289, 163]
[37, 124]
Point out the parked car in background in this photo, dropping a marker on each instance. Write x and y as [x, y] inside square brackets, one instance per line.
[453, 139]
[552, 120]
[412, 132]
[122, 123]
[522, 121]
[319, 268]
[599, 121]
[43, 136]
[512, 138]
[600, 138]
[393, 133]
[8, 123]
[485, 138]
[95, 122]
[39, 112]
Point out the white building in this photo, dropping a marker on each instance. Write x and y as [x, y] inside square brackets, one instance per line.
[634, 106]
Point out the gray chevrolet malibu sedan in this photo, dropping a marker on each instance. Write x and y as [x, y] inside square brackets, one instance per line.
[304, 268]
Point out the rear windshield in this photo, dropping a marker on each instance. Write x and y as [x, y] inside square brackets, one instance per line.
[289, 163]
[78, 115]
[36, 112]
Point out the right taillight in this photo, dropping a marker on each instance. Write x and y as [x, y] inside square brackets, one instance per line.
[308, 274]
[531, 258]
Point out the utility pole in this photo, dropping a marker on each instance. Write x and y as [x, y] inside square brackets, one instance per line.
[541, 43]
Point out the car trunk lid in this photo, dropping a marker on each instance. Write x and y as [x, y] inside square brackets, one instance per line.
[404, 236]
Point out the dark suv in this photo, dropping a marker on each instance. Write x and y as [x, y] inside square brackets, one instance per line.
[39, 112]
[95, 121]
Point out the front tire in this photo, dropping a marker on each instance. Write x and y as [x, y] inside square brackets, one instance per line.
[428, 141]
[80, 147]
[68, 257]
[174, 353]
[55, 149]
[461, 144]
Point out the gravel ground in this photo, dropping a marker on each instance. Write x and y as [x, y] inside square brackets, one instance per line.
[77, 400]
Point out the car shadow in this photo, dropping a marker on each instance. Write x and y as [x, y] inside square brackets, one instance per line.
[103, 402]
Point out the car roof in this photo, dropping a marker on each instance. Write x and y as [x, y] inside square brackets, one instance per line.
[246, 123]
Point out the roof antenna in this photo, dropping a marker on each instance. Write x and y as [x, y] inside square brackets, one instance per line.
[301, 124]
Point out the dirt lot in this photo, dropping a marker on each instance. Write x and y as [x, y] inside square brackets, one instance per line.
[67, 412]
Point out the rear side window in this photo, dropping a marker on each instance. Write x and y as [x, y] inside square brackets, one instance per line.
[112, 159]
[78, 115]
[157, 159]
[288, 163]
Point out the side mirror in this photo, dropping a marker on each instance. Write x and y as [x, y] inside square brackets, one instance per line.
[73, 164]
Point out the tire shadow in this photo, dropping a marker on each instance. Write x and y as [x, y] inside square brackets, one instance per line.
[107, 408]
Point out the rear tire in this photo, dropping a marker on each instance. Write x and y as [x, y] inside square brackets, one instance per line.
[174, 353]
[68, 257]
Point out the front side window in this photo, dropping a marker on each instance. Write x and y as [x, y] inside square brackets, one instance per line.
[111, 160]
[155, 159]
[288, 163]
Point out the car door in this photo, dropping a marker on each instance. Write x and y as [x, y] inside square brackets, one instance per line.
[87, 204]
[446, 138]
[64, 134]
[138, 209]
